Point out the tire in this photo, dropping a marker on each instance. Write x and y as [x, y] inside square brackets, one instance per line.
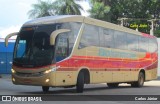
[140, 81]
[112, 85]
[133, 84]
[45, 88]
[80, 83]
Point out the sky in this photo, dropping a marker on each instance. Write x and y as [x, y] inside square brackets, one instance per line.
[13, 14]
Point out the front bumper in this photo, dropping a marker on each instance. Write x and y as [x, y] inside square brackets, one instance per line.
[35, 81]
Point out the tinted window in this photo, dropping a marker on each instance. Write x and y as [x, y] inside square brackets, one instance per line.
[33, 43]
[21, 46]
[90, 36]
[143, 45]
[74, 27]
[108, 38]
[132, 41]
[120, 41]
[152, 45]
[101, 38]
[61, 51]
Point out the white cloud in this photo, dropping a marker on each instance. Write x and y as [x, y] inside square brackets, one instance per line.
[85, 5]
[22, 4]
[1, 28]
[5, 31]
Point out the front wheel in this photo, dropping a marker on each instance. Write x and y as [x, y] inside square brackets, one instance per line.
[140, 81]
[80, 82]
[45, 88]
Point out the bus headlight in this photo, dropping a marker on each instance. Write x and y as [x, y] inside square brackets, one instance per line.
[13, 80]
[47, 71]
[47, 80]
[13, 71]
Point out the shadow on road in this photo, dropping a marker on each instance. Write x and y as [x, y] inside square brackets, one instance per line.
[68, 91]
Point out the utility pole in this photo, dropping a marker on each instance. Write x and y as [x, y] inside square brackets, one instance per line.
[122, 20]
[152, 26]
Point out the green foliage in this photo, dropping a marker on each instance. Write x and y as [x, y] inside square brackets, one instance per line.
[157, 32]
[99, 11]
[137, 9]
[67, 7]
[41, 9]
[59, 7]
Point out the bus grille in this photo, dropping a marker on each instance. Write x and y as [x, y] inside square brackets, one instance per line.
[29, 74]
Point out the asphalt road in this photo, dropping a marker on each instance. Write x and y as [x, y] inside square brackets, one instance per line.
[150, 88]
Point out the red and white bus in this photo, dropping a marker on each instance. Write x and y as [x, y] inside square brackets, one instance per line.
[68, 51]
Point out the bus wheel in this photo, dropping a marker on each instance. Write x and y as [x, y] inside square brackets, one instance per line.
[45, 88]
[80, 82]
[112, 84]
[140, 81]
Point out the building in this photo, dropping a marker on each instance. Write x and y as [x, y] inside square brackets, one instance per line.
[6, 55]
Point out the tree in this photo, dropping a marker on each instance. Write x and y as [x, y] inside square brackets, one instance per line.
[154, 8]
[157, 33]
[67, 7]
[99, 10]
[139, 10]
[41, 9]
[59, 7]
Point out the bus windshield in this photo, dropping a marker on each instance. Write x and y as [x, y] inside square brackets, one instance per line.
[33, 49]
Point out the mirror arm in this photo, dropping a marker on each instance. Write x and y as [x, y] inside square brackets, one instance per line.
[8, 36]
[55, 33]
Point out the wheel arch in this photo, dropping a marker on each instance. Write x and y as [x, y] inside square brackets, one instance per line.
[86, 72]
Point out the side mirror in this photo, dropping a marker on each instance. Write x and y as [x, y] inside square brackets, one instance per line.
[8, 36]
[55, 33]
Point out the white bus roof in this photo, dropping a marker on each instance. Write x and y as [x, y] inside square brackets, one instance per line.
[55, 19]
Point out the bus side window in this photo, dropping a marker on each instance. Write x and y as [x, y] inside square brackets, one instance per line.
[133, 42]
[143, 46]
[62, 45]
[152, 45]
[90, 36]
[108, 38]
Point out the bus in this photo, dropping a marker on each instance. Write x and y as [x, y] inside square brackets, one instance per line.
[71, 51]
